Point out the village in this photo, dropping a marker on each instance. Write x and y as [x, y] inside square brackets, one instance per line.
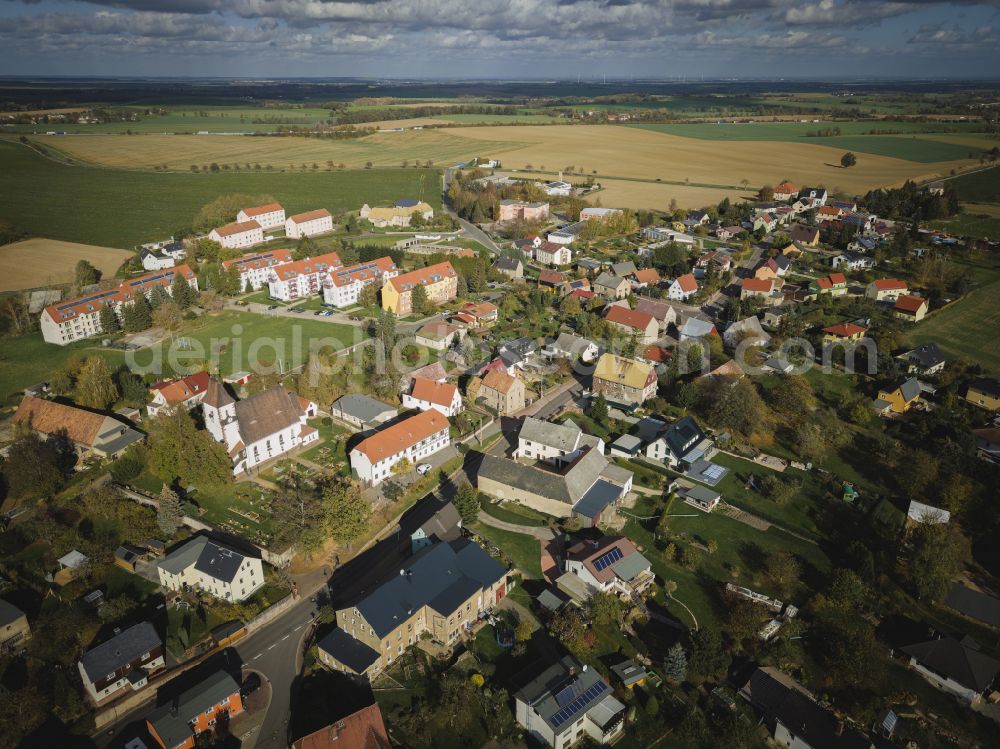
[554, 473]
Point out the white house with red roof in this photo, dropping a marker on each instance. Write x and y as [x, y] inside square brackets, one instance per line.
[412, 439]
[428, 394]
[254, 267]
[78, 318]
[269, 216]
[183, 391]
[309, 224]
[343, 286]
[634, 322]
[550, 253]
[682, 288]
[886, 290]
[301, 278]
[612, 564]
[238, 234]
[259, 428]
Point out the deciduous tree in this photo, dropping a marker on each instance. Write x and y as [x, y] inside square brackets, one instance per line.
[346, 509]
[95, 385]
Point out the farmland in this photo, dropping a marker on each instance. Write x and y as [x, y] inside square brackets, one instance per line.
[41, 262]
[980, 187]
[120, 208]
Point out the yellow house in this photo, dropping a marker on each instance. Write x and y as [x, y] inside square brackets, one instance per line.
[845, 331]
[984, 393]
[439, 281]
[898, 400]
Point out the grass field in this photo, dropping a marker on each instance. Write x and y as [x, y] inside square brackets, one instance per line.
[27, 360]
[977, 221]
[118, 208]
[979, 187]
[968, 328]
[41, 262]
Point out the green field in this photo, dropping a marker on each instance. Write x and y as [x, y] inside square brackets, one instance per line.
[910, 148]
[979, 187]
[969, 224]
[117, 208]
[27, 360]
[968, 328]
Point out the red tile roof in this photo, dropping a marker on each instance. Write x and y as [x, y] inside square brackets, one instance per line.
[498, 380]
[630, 318]
[362, 271]
[890, 284]
[687, 283]
[647, 275]
[655, 353]
[361, 730]
[319, 264]
[430, 274]
[260, 210]
[124, 293]
[254, 261]
[441, 393]
[845, 330]
[237, 227]
[403, 434]
[182, 389]
[552, 277]
[301, 218]
[758, 284]
[838, 278]
[909, 304]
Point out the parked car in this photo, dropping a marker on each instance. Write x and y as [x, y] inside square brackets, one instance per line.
[424, 468]
[272, 306]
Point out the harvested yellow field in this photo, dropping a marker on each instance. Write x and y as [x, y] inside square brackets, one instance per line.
[631, 152]
[629, 194]
[34, 263]
[180, 152]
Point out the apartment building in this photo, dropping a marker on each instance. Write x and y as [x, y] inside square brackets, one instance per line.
[301, 278]
[440, 282]
[238, 234]
[269, 216]
[309, 224]
[514, 210]
[255, 267]
[412, 439]
[343, 286]
[624, 381]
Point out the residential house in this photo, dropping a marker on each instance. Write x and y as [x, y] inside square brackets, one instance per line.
[254, 430]
[80, 317]
[721, 260]
[255, 267]
[925, 359]
[910, 308]
[439, 336]
[747, 329]
[440, 282]
[557, 444]
[807, 235]
[551, 253]
[566, 702]
[817, 195]
[696, 328]
[484, 314]
[853, 261]
[441, 591]
[623, 269]
[363, 729]
[411, 439]
[93, 435]
[589, 265]
[845, 332]
[558, 188]
[572, 347]
[899, 399]
[156, 260]
[309, 224]
[785, 191]
[885, 290]
[974, 604]
[425, 395]
[401, 214]
[681, 445]
[663, 312]
[985, 393]
[611, 286]
[835, 284]
[443, 526]
[767, 222]
[519, 210]
[591, 213]
[612, 564]
[756, 288]
[668, 234]
[517, 353]
[207, 565]
[567, 234]
[700, 497]
[361, 411]
[14, 628]
[342, 286]
[552, 281]
[269, 216]
[625, 382]
[793, 716]
[633, 322]
[239, 234]
[509, 267]
[502, 392]
[177, 724]
[126, 661]
[645, 277]
[183, 391]
[863, 245]
[726, 233]
[682, 287]
[301, 278]
[959, 668]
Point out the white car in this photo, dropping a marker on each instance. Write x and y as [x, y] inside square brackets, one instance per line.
[424, 468]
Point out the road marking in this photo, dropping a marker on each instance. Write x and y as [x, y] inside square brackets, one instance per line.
[284, 638]
[271, 647]
[257, 656]
[297, 628]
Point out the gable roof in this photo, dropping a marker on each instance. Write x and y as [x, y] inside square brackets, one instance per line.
[909, 389]
[507, 263]
[695, 327]
[372, 270]
[172, 722]
[363, 729]
[633, 374]
[497, 380]
[267, 413]
[609, 280]
[975, 604]
[319, 264]
[49, 417]
[401, 435]
[443, 576]
[889, 284]
[560, 436]
[301, 218]
[260, 210]
[120, 650]
[619, 548]
[757, 284]
[205, 555]
[237, 227]
[125, 292]
[256, 260]
[422, 276]
[949, 657]
[802, 233]
[687, 283]
[647, 275]
[564, 692]
[630, 318]
[362, 407]
[659, 310]
[909, 304]
[552, 277]
[183, 388]
[432, 391]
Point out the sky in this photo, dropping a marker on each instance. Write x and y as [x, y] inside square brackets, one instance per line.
[502, 39]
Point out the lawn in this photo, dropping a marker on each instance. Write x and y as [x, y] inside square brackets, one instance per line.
[979, 187]
[330, 451]
[971, 223]
[968, 327]
[524, 551]
[118, 208]
[511, 512]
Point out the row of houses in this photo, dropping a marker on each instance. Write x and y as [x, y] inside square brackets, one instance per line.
[252, 223]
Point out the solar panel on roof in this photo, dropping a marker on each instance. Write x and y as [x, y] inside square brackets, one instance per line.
[565, 696]
[606, 560]
[576, 705]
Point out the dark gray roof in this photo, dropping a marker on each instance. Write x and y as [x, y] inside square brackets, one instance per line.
[563, 692]
[353, 653]
[629, 672]
[444, 524]
[623, 269]
[171, 721]
[949, 657]
[987, 385]
[910, 389]
[975, 604]
[682, 435]
[507, 263]
[267, 413]
[608, 280]
[598, 497]
[9, 613]
[926, 355]
[362, 407]
[801, 715]
[120, 650]
[442, 576]
[207, 556]
[565, 436]
[526, 478]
